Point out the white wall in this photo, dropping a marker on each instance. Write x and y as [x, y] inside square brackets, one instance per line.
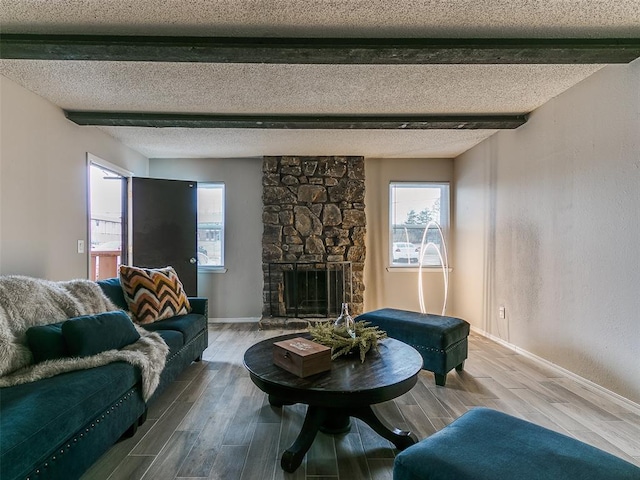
[43, 184]
[548, 225]
[397, 288]
[238, 292]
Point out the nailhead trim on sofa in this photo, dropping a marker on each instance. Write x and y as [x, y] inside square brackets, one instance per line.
[94, 424]
[185, 346]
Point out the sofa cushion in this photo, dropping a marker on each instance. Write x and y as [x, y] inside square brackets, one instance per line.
[153, 294]
[174, 340]
[92, 334]
[40, 415]
[189, 325]
[47, 342]
[112, 289]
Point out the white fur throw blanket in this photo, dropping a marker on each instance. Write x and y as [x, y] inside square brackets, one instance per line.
[26, 302]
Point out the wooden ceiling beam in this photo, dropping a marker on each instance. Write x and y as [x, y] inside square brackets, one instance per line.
[317, 122]
[357, 51]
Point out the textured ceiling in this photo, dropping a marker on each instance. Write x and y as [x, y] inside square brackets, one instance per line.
[232, 143]
[322, 18]
[307, 89]
[330, 89]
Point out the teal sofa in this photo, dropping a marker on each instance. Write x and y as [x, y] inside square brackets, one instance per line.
[58, 427]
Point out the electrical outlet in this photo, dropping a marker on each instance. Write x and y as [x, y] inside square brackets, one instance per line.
[501, 312]
[80, 246]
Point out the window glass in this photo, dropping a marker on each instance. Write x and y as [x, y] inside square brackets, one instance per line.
[412, 206]
[210, 224]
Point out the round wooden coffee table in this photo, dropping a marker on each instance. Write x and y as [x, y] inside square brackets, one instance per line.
[347, 390]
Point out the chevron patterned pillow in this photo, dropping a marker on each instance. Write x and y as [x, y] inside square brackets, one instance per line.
[153, 294]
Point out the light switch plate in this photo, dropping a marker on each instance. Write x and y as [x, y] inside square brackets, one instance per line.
[80, 246]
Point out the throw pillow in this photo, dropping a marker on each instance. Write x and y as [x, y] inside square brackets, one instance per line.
[92, 334]
[47, 342]
[153, 294]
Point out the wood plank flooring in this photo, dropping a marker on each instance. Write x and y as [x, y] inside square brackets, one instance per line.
[213, 423]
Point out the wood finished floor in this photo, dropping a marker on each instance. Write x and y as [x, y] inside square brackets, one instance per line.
[213, 423]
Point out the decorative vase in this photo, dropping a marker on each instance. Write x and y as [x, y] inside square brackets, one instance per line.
[345, 321]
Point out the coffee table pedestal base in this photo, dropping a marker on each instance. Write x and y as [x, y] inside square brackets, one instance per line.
[334, 421]
[335, 424]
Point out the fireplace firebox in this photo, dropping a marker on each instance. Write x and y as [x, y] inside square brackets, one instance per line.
[308, 290]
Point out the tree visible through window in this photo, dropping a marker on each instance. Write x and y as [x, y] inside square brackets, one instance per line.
[425, 215]
[210, 224]
[412, 206]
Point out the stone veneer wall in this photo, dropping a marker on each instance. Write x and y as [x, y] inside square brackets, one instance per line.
[313, 211]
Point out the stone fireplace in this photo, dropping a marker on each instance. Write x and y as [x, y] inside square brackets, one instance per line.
[314, 223]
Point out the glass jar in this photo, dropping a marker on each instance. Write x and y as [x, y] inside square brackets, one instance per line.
[345, 321]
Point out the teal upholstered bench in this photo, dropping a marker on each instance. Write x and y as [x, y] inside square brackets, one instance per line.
[442, 341]
[484, 444]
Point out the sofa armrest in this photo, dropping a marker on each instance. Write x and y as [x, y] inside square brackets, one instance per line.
[200, 305]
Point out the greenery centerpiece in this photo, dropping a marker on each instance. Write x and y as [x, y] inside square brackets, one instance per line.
[342, 342]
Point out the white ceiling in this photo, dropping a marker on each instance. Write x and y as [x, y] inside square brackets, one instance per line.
[324, 18]
[307, 89]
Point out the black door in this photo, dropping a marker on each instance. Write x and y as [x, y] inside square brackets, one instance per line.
[164, 226]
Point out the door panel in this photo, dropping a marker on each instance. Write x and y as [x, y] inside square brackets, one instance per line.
[164, 226]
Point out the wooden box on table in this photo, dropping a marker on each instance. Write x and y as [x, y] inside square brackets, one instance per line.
[302, 357]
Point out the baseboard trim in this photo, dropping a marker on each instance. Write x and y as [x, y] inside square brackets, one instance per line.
[587, 383]
[234, 320]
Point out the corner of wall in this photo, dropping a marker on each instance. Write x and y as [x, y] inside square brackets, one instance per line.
[543, 213]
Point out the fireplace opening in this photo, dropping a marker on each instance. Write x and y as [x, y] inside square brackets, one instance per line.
[305, 291]
[309, 292]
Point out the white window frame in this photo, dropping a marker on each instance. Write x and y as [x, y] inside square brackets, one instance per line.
[444, 221]
[221, 267]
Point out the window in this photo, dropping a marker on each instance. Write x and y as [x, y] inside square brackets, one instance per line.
[412, 206]
[210, 224]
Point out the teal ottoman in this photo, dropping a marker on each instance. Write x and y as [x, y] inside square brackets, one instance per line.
[441, 340]
[484, 444]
